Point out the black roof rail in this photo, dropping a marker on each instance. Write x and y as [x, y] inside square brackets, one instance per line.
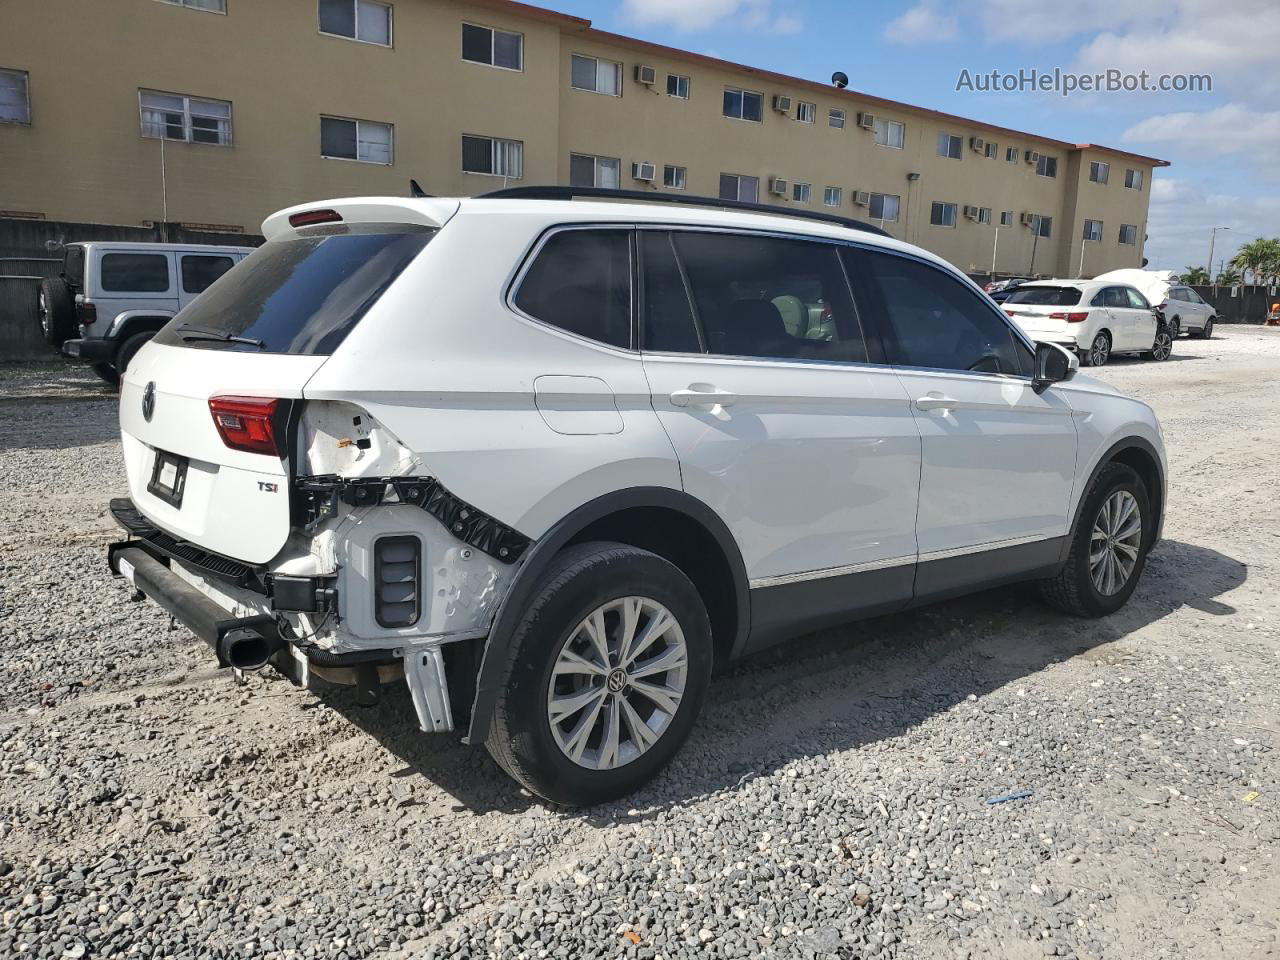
[645, 196]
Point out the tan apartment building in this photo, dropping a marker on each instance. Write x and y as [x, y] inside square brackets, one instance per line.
[214, 113]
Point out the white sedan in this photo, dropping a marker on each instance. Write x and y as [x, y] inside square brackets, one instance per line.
[1096, 318]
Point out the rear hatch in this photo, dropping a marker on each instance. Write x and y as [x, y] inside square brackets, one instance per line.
[206, 407]
[1045, 311]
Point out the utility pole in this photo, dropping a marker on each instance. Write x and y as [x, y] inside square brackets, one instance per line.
[1213, 235]
[1035, 240]
[164, 191]
[995, 245]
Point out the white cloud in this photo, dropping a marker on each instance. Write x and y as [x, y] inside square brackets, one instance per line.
[923, 23]
[691, 15]
[1229, 130]
[1183, 215]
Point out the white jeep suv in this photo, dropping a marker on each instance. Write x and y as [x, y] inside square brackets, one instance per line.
[549, 461]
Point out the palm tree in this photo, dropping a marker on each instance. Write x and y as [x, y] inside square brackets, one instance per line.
[1228, 277]
[1195, 276]
[1259, 260]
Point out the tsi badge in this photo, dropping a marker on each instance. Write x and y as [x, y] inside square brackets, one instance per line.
[268, 487]
[149, 401]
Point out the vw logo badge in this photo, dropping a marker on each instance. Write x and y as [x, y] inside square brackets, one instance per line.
[617, 681]
[149, 401]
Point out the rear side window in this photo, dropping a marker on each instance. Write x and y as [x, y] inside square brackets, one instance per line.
[1046, 296]
[774, 297]
[199, 271]
[932, 320]
[135, 272]
[302, 295]
[580, 282]
[1113, 297]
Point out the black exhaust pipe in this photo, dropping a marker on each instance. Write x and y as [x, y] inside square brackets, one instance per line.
[246, 649]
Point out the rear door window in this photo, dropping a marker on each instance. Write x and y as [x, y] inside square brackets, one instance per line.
[580, 282]
[932, 320]
[135, 272]
[300, 295]
[1045, 296]
[200, 270]
[771, 297]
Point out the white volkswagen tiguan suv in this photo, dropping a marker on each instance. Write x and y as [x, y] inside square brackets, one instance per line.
[548, 461]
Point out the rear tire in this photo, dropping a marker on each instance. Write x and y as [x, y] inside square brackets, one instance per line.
[620, 736]
[56, 311]
[106, 372]
[1098, 353]
[1207, 332]
[1075, 590]
[128, 350]
[1175, 328]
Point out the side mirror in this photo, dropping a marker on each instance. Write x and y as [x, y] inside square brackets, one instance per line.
[1054, 364]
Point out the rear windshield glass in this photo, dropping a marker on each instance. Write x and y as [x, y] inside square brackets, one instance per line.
[302, 295]
[1046, 296]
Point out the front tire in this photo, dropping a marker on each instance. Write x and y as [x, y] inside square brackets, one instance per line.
[1108, 547]
[1162, 348]
[605, 677]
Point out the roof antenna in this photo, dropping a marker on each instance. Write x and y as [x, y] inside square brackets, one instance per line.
[841, 80]
[416, 191]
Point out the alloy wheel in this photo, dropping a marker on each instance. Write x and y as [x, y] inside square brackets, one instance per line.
[1115, 542]
[1100, 351]
[1163, 347]
[617, 683]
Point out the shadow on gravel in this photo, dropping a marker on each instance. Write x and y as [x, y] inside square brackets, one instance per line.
[835, 690]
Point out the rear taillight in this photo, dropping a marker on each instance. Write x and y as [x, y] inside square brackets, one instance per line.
[247, 423]
[310, 217]
[1075, 317]
[86, 312]
[1008, 313]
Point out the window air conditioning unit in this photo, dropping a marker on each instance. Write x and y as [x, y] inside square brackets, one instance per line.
[777, 185]
[1027, 219]
[862, 198]
[781, 104]
[867, 121]
[644, 171]
[977, 144]
[971, 212]
[1032, 156]
[646, 75]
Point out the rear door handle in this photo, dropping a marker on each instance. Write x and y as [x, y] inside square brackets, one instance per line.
[702, 395]
[935, 401]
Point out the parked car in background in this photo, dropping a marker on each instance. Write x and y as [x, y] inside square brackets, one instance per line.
[113, 296]
[1093, 317]
[999, 290]
[440, 442]
[1182, 309]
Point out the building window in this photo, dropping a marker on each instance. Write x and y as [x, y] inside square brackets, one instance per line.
[1006, 218]
[1042, 226]
[363, 140]
[495, 48]
[801, 192]
[495, 158]
[171, 116]
[942, 214]
[1011, 154]
[890, 133]
[835, 118]
[949, 145]
[586, 170]
[883, 206]
[1093, 230]
[736, 187]
[742, 104]
[1133, 179]
[677, 86]
[806, 112]
[1128, 233]
[676, 178]
[990, 150]
[984, 215]
[1099, 172]
[596, 75]
[361, 20]
[1047, 166]
[15, 100]
[213, 6]
[833, 196]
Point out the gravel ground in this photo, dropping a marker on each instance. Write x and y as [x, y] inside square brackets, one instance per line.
[831, 802]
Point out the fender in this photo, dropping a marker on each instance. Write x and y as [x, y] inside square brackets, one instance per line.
[539, 558]
[141, 319]
[1128, 443]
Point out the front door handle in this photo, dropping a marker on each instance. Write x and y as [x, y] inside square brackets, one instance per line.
[936, 401]
[702, 395]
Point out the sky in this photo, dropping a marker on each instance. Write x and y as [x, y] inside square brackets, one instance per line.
[1223, 144]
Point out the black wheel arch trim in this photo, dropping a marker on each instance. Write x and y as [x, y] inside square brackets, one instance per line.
[1128, 443]
[539, 557]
